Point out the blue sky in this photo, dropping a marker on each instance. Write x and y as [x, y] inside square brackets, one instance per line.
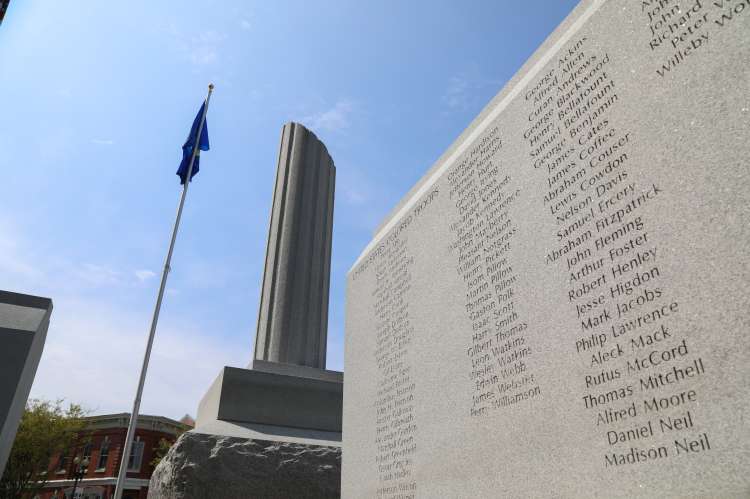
[98, 98]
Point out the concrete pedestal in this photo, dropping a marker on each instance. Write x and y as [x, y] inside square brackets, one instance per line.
[283, 395]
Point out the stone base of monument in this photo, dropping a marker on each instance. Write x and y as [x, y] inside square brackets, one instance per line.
[270, 431]
[211, 466]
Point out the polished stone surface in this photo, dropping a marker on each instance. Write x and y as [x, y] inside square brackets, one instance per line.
[560, 307]
[23, 329]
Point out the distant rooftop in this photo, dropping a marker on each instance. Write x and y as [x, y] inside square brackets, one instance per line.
[145, 421]
[188, 420]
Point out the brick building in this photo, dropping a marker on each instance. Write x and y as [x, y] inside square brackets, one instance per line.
[101, 443]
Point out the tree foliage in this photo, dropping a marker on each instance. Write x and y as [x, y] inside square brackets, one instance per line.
[162, 448]
[46, 429]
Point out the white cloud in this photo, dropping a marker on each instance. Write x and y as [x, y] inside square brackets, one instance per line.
[245, 24]
[463, 91]
[336, 119]
[456, 95]
[144, 275]
[201, 49]
[355, 185]
[14, 262]
[93, 356]
[355, 196]
[26, 270]
[32, 268]
[203, 55]
[103, 142]
[363, 194]
[203, 274]
[204, 48]
[96, 275]
[95, 343]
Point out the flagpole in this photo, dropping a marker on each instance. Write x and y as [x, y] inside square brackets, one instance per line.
[125, 456]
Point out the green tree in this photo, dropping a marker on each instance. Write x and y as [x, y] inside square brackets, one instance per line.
[46, 429]
[163, 446]
[161, 449]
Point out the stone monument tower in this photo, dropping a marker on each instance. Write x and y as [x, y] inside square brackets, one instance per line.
[286, 384]
[279, 419]
[293, 317]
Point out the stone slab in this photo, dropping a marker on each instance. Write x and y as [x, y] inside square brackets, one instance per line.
[23, 329]
[257, 431]
[296, 370]
[270, 398]
[207, 466]
[560, 307]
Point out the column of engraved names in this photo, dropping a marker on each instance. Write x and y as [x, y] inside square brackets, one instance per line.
[679, 29]
[394, 404]
[638, 366]
[499, 350]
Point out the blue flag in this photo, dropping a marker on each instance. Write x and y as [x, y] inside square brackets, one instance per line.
[187, 148]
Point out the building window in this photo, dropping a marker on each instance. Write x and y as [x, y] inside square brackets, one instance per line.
[62, 462]
[87, 451]
[101, 463]
[136, 455]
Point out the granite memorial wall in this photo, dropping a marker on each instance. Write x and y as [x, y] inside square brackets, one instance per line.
[24, 320]
[560, 306]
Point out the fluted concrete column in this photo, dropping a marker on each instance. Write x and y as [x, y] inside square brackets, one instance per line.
[293, 317]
